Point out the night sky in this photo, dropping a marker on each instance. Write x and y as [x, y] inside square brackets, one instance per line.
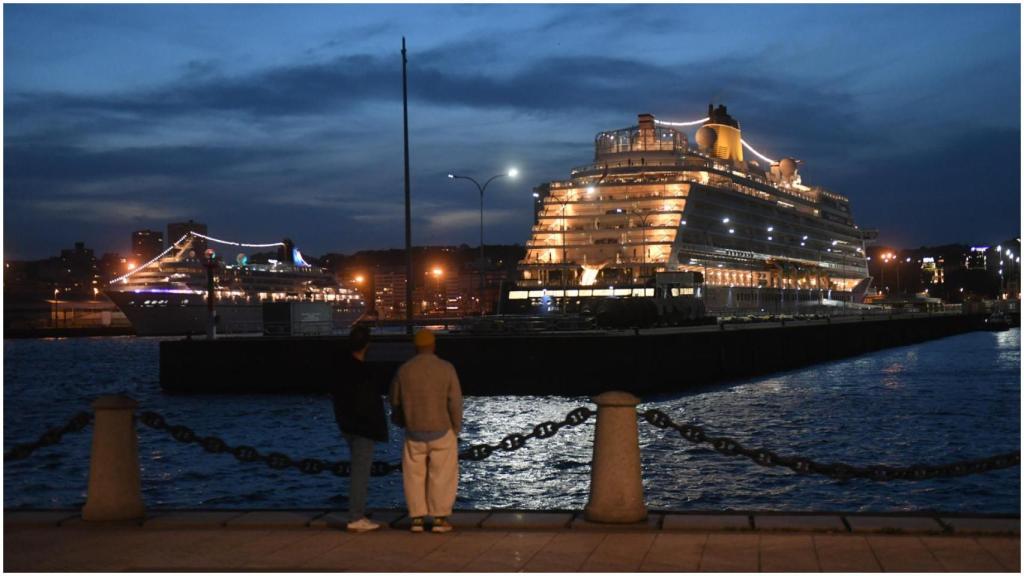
[273, 121]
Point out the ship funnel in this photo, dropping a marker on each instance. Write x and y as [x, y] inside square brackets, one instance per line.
[284, 253]
[725, 144]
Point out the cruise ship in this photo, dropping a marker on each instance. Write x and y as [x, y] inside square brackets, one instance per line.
[168, 295]
[755, 238]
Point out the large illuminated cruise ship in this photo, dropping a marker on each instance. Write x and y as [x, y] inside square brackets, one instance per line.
[167, 295]
[761, 240]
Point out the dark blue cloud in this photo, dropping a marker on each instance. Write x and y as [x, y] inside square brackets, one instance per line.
[265, 121]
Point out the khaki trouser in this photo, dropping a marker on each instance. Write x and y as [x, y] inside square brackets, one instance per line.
[430, 475]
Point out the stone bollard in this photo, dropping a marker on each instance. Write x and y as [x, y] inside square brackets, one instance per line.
[616, 487]
[115, 492]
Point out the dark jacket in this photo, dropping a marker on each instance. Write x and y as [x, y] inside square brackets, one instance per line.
[358, 406]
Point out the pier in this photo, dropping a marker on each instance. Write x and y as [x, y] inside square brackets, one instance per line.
[509, 541]
[573, 362]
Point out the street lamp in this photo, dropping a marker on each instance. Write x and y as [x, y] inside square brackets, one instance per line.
[512, 173]
[435, 297]
[643, 216]
[886, 258]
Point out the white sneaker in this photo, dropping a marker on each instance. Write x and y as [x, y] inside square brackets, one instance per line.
[362, 525]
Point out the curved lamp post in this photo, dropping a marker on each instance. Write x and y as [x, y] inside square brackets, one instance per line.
[512, 173]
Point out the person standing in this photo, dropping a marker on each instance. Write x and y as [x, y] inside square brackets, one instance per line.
[359, 411]
[427, 399]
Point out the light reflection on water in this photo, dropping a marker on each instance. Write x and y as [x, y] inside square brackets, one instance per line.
[939, 401]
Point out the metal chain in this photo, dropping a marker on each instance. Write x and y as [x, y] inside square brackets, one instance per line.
[275, 460]
[77, 423]
[837, 471]
[279, 461]
[514, 442]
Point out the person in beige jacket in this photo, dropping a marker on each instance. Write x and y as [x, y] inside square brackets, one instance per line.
[427, 400]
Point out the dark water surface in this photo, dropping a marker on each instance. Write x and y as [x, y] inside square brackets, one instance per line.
[944, 400]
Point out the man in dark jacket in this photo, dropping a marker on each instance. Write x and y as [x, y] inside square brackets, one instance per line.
[359, 410]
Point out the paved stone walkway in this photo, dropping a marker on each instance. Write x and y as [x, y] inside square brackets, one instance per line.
[299, 540]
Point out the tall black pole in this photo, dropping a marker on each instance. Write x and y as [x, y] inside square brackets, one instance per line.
[408, 212]
[482, 257]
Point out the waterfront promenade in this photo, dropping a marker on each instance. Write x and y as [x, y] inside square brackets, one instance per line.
[307, 540]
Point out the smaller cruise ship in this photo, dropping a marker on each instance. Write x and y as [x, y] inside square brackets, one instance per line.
[168, 295]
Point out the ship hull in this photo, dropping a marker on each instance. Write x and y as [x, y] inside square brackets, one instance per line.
[184, 314]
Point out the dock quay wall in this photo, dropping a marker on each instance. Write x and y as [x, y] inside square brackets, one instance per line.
[560, 363]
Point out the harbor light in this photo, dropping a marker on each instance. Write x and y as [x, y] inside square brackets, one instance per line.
[452, 176]
[536, 195]
[725, 220]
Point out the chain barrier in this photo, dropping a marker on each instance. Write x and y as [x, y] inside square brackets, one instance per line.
[514, 442]
[838, 471]
[242, 453]
[77, 423]
[279, 461]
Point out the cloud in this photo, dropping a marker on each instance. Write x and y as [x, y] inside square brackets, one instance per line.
[957, 191]
[558, 83]
[450, 220]
[61, 163]
[103, 211]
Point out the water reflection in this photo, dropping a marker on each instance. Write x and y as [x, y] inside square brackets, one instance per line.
[892, 375]
[938, 401]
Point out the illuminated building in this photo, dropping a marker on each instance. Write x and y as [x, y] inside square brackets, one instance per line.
[932, 270]
[176, 230]
[977, 258]
[146, 244]
[651, 202]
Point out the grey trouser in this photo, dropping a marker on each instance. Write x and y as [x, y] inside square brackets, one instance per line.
[361, 450]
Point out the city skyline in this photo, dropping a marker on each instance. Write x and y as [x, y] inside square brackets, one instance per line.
[272, 121]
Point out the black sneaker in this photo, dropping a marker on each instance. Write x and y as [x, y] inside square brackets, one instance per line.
[417, 524]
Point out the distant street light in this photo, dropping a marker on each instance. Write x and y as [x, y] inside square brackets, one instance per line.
[512, 173]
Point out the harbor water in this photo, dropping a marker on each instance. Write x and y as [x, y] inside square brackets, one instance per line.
[936, 402]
